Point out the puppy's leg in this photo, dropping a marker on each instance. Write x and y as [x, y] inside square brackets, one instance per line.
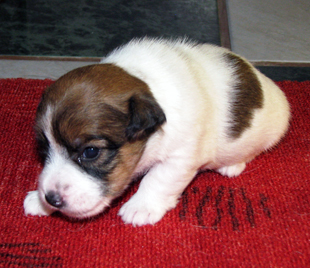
[158, 192]
[34, 206]
[232, 171]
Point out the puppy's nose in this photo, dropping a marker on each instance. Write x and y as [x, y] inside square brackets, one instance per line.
[54, 199]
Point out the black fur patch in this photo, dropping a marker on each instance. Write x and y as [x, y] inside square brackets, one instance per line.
[246, 95]
[146, 116]
[101, 170]
[42, 145]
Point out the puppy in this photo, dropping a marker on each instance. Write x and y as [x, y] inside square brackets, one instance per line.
[162, 109]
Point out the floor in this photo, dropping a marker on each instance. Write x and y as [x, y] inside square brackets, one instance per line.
[264, 30]
[91, 28]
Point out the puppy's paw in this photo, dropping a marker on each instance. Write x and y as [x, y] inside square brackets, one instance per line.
[33, 205]
[232, 171]
[142, 210]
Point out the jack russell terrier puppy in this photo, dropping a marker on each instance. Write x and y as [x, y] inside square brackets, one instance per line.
[162, 109]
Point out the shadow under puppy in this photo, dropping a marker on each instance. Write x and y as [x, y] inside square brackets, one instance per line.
[165, 109]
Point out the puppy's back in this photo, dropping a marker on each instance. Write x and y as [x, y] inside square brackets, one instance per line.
[242, 111]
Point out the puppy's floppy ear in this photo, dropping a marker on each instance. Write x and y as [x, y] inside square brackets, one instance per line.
[146, 116]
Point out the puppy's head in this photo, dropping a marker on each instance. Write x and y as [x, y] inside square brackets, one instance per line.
[92, 125]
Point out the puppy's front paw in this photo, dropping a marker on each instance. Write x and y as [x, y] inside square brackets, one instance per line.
[33, 205]
[232, 171]
[140, 210]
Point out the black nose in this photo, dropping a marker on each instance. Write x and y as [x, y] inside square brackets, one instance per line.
[54, 199]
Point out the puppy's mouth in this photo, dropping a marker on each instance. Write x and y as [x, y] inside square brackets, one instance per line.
[81, 214]
[74, 209]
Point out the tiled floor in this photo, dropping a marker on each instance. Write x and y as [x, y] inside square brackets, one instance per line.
[40, 69]
[264, 30]
[54, 69]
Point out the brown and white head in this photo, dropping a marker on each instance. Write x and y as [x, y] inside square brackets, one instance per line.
[92, 125]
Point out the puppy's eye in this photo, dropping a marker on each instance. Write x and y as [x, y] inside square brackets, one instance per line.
[90, 153]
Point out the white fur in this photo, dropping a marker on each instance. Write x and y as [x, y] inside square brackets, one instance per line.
[191, 84]
[34, 206]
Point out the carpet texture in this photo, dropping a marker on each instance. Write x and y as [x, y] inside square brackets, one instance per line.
[259, 219]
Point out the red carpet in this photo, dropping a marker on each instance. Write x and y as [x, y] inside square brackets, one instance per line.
[259, 219]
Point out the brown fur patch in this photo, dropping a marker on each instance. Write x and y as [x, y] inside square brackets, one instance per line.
[91, 100]
[128, 157]
[247, 95]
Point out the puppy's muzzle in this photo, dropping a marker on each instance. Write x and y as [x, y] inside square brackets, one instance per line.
[54, 199]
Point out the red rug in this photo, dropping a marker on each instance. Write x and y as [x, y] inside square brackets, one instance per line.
[259, 219]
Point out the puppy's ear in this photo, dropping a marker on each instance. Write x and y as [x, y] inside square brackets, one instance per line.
[146, 116]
